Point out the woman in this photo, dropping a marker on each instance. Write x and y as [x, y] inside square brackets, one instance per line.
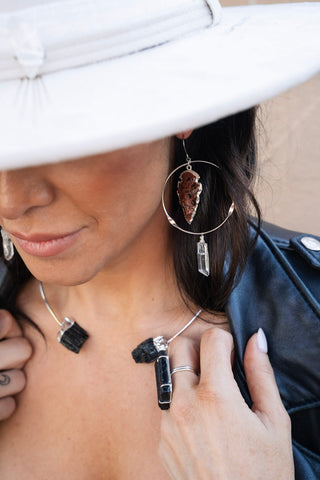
[91, 229]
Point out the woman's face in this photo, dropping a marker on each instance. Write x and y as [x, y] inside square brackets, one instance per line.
[70, 220]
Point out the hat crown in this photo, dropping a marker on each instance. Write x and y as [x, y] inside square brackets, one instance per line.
[51, 36]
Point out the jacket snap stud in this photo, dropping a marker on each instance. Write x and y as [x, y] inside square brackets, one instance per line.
[311, 243]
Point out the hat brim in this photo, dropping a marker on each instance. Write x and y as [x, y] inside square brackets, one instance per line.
[255, 53]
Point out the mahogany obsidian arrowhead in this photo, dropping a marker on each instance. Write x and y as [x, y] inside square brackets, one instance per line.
[145, 352]
[189, 190]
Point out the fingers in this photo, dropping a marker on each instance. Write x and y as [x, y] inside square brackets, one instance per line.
[11, 382]
[7, 407]
[217, 383]
[9, 328]
[184, 351]
[14, 349]
[262, 385]
[216, 352]
[213, 356]
[14, 352]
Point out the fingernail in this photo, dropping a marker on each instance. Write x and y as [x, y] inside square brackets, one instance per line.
[262, 341]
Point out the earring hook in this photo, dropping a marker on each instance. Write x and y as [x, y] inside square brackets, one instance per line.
[185, 150]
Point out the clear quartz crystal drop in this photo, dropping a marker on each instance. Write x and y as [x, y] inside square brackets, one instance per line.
[203, 257]
[8, 249]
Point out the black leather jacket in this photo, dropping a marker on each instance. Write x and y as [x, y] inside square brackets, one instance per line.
[280, 292]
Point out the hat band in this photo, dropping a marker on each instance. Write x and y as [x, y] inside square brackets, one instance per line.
[49, 38]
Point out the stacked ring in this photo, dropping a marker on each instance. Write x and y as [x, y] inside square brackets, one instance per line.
[183, 368]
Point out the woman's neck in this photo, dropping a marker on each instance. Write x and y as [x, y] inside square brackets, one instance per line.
[136, 292]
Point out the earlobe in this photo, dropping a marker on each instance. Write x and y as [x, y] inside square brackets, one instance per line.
[184, 135]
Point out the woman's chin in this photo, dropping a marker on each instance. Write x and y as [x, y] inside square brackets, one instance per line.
[64, 276]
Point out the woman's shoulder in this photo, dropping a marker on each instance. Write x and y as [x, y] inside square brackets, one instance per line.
[295, 254]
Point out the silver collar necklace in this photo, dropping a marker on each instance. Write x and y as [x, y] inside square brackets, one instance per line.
[72, 336]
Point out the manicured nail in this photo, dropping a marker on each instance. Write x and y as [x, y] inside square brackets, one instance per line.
[262, 341]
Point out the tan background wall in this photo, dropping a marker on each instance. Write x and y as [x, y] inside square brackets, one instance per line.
[288, 188]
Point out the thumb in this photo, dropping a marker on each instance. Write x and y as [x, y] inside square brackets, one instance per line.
[260, 378]
[9, 327]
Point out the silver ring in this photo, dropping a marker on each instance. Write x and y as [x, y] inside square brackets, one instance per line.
[184, 368]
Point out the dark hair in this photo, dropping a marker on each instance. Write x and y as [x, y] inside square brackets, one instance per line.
[230, 144]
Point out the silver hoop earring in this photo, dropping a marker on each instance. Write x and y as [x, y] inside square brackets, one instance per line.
[7, 245]
[189, 191]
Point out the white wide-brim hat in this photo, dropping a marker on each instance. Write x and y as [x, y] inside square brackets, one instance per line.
[82, 77]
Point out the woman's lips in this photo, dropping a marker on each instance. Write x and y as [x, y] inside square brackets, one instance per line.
[44, 245]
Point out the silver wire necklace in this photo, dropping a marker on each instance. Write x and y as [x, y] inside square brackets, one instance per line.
[72, 336]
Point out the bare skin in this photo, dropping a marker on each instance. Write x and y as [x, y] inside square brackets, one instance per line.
[94, 415]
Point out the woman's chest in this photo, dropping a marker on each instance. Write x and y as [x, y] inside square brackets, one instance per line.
[90, 419]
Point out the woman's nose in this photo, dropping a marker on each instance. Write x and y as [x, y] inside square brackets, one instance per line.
[22, 190]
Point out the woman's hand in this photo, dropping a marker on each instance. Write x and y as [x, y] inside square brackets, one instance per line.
[15, 350]
[210, 433]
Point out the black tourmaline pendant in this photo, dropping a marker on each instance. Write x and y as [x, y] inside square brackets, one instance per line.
[145, 352]
[163, 380]
[71, 335]
[155, 349]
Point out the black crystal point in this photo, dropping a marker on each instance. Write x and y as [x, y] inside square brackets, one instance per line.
[145, 352]
[163, 380]
[73, 337]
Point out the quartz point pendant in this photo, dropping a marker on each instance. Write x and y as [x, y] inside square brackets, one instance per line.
[203, 257]
[71, 335]
[8, 249]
